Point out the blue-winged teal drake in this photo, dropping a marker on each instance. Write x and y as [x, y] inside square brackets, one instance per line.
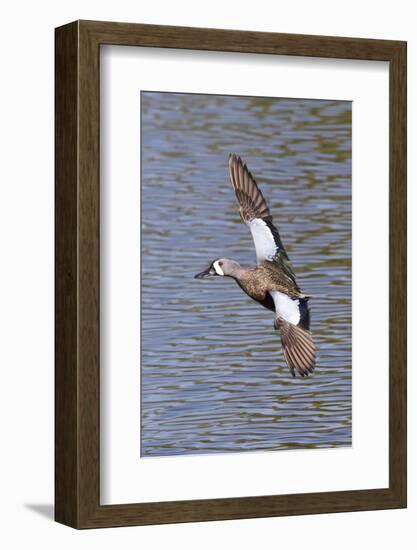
[272, 282]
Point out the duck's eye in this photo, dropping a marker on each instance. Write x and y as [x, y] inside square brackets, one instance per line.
[220, 264]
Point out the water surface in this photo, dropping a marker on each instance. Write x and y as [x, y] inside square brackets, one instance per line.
[213, 376]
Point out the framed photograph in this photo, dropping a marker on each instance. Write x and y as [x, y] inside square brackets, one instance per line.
[230, 274]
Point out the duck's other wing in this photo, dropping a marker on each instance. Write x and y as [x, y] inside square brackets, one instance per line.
[298, 346]
[293, 321]
[255, 213]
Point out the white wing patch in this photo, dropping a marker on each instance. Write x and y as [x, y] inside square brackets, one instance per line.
[286, 307]
[265, 245]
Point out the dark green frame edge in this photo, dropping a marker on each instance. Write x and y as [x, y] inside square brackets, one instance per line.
[77, 360]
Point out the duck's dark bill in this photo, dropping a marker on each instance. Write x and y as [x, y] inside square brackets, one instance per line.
[210, 272]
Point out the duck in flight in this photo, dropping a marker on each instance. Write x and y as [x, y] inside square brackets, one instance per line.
[272, 282]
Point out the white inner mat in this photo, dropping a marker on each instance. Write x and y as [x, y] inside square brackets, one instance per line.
[125, 477]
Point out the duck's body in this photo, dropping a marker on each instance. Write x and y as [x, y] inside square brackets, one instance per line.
[256, 282]
[263, 282]
[272, 281]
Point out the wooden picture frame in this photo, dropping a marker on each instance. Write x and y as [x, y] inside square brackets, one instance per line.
[77, 404]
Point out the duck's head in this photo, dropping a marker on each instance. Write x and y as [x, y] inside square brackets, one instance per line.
[219, 268]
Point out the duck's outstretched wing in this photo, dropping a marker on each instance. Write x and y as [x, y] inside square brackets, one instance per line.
[298, 346]
[293, 322]
[255, 213]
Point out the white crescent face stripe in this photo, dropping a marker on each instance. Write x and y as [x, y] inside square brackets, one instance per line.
[286, 307]
[218, 269]
[265, 245]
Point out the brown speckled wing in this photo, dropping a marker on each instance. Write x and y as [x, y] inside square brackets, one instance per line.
[255, 213]
[298, 346]
[251, 201]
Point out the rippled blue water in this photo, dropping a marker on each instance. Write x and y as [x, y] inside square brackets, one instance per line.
[213, 375]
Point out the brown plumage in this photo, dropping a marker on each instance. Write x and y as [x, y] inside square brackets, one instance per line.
[252, 206]
[272, 282]
[298, 346]
[250, 199]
